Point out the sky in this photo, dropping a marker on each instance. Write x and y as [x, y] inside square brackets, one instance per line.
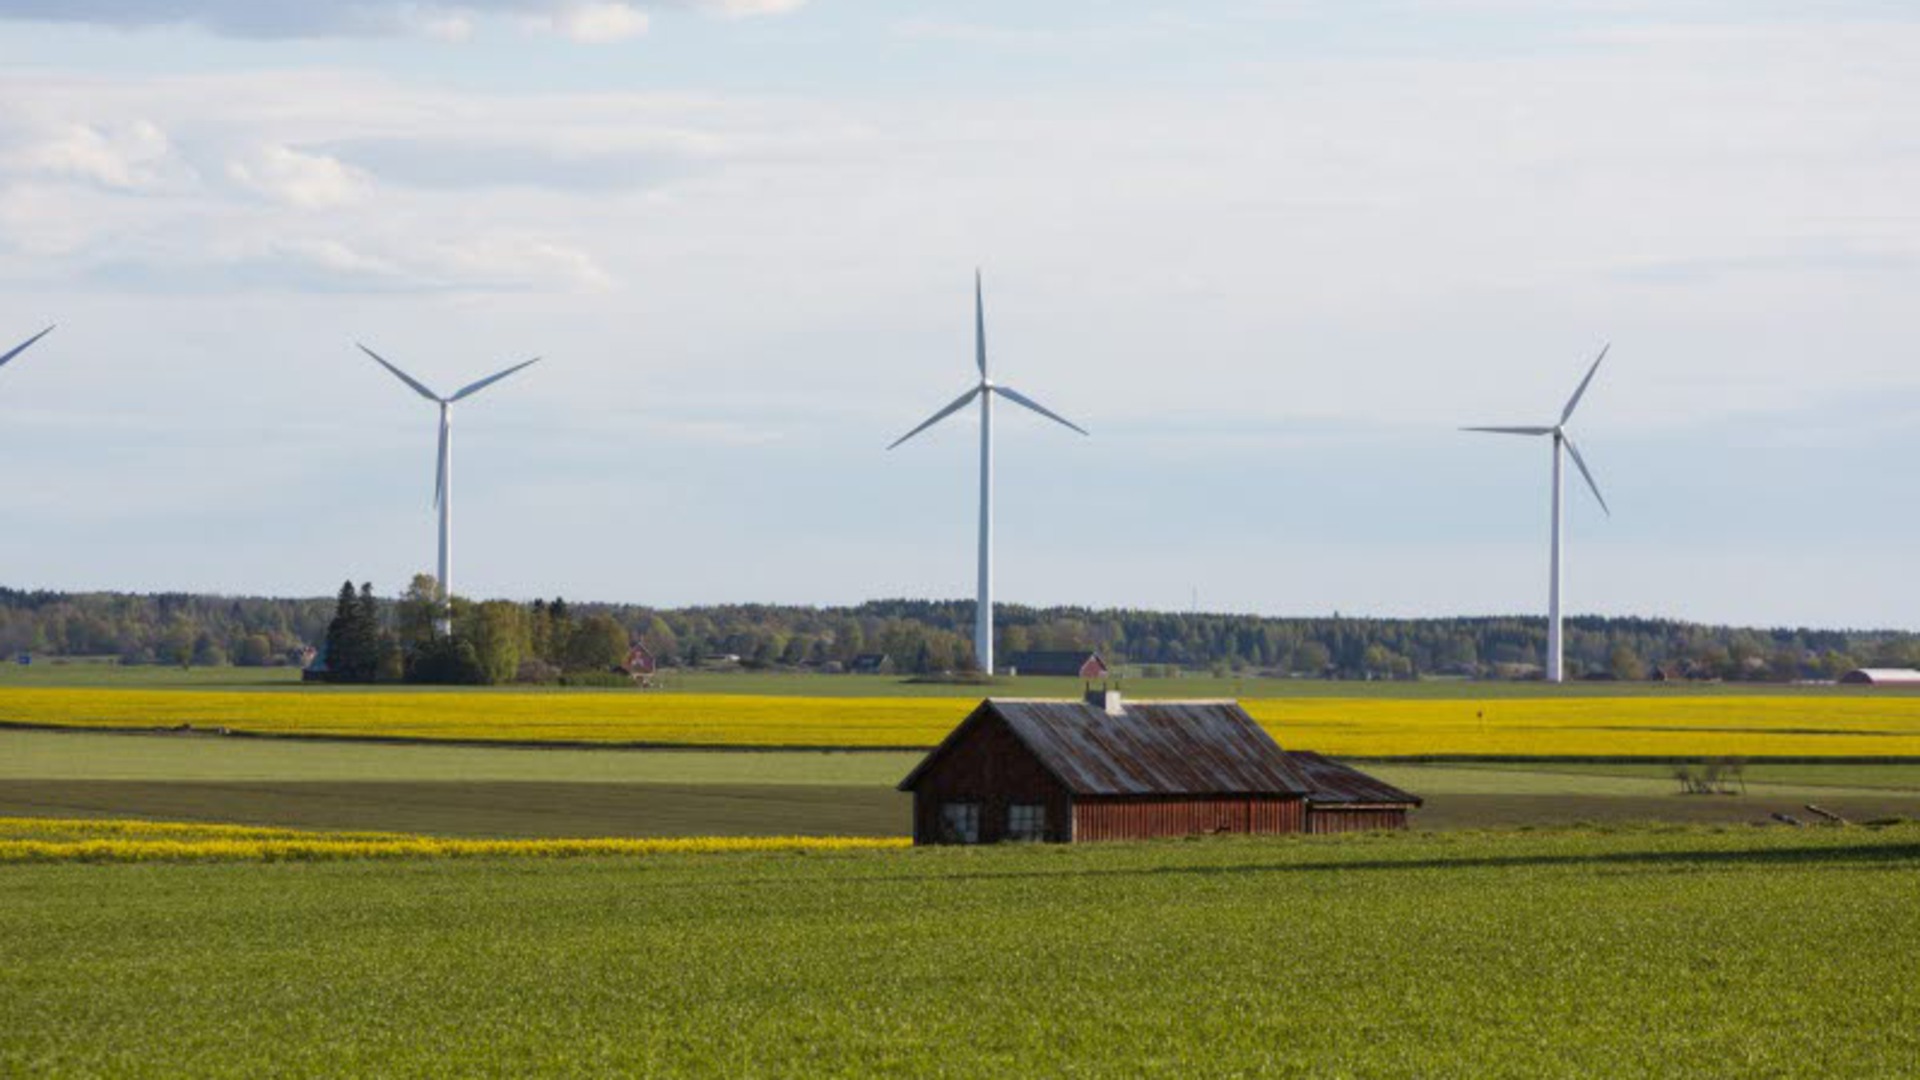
[1270, 253]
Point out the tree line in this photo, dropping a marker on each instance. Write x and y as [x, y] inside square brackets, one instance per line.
[548, 640]
[490, 643]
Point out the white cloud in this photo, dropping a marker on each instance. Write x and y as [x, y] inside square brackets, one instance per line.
[202, 183]
[517, 263]
[324, 262]
[741, 9]
[590, 21]
[322, 265]
[596, 23]
[448, 26]
[131, 155]
[302, 180]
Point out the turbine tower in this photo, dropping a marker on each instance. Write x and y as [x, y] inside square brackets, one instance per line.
[443, 482]
[23, 346]
[985, 389]
[1556, 668]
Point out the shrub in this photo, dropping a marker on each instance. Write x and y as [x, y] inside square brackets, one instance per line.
[446, 662]
[537, 673]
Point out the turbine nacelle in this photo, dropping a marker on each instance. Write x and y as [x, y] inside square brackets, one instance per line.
[446, 410]
[1559, 431]
[986, 385]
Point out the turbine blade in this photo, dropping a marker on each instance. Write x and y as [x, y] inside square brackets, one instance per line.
[440, 473]
[474, 388]
[22, 347]
[1574, 402]
[1511, 430]
[418, 387]
[958, 403]
[979, 326]
[1591, 486]
[1019, 398]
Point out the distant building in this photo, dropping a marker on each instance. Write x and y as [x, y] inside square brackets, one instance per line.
[640, 662]
[1104, 769]
[871, 664]
[1881, 677]
[316, 669]
[639, 665]
[1071, 663]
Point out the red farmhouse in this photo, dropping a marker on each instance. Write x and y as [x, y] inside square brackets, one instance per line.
[1103, 769]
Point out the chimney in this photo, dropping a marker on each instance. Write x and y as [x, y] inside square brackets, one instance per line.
[1105, 700]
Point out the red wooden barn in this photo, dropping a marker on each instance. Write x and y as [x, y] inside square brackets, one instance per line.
[1104, 769]
[1079, 665]
[639, 661]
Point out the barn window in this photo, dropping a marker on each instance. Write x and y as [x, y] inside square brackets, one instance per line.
[960, 821]
[1027, 821]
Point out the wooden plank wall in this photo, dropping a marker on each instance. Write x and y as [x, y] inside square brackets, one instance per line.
[1143, 818]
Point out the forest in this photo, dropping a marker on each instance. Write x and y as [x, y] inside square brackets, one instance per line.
[917, 637]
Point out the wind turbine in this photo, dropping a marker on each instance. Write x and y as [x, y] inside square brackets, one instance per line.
[1556, 668]
[443, 482]
[23, 346]
[985, 389]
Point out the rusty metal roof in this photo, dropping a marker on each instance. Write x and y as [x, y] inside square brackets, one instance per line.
[1334, 783]
[1145, 748]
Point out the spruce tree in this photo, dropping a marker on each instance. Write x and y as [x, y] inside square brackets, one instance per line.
[366, 635]
[353, 637]
[339, 634]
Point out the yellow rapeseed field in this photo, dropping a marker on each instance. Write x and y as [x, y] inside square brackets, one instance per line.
[120, 840]
[667, 719]
[1809, 726]
[1801, 725]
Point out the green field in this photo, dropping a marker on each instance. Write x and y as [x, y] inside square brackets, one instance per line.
[1745, 952]
[514, 792]
[452, 790]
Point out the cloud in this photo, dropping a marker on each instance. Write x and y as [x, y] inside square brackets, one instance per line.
[298, 179]
[520, 159]
[127, 156]
[742, 9]
[318, 264]
[598, 23]
[343, 183]
[587, 21]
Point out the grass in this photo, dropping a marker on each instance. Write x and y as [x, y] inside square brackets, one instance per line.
[482, 809]
[81, 755]
[1786, 726]
[452, 790]
[1618, 954]
[1806, 776]
[90, 672]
